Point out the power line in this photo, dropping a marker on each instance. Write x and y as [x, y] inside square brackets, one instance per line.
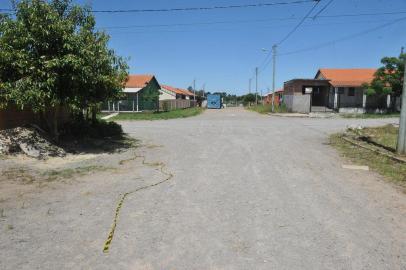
[193, 8]
[332, 42]
[345, 38]
[266, 60]
[322, 9]
[203, 8]
[142, 30]
[299, 24]
[248, 21]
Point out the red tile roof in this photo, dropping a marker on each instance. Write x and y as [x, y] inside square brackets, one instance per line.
[172, 89]
[187, 92]
[177, 90]
[138, 81]
[279, 90]
[347, 77]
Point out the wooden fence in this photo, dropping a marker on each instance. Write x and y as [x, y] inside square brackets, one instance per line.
[12, 117]
[174, 104]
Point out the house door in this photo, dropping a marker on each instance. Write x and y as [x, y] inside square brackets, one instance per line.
[318, 97]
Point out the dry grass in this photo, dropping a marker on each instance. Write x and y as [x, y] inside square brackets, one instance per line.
[385, 136]
[369, 115]
[53, 175]
[26, 176]
[392, 170]
[267, 108]
[181, 113]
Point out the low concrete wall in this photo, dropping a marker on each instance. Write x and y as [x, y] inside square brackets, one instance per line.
[297, 103]
[351, 110]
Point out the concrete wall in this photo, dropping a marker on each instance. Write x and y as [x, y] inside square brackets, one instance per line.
[297, 103]
[351, 110]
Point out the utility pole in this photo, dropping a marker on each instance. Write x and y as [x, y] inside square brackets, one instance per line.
[194, 89]
[249, 86]
[204, 88]
[273, 75]
[256, 86]
[401, 147]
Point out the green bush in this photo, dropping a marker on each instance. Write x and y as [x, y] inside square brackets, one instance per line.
[81, 128]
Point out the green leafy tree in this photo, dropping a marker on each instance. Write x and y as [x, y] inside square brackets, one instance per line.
[51, 57]
[388, 79]
[249, 98]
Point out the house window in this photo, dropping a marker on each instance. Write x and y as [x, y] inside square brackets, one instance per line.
[351, 91]
[340, 90]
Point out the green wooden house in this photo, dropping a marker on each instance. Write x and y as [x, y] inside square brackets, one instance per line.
[141, 93]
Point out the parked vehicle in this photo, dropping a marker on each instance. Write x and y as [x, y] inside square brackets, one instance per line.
[214, 101]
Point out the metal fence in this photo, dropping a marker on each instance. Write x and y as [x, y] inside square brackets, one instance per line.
[129, 106]
[134, 106]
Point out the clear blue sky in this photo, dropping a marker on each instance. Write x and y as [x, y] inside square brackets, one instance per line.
[224, 55]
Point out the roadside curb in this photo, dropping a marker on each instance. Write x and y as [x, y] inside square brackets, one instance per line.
[291, 115]
[109, 116]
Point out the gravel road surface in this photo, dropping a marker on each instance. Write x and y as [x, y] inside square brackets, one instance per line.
[249, 192]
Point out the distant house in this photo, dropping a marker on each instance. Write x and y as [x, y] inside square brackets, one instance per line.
[172, 98]
[267, 99]
[332, 90]
[141, 93]
[169, 92]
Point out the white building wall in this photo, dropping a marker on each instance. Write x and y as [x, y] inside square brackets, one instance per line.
[164, 95]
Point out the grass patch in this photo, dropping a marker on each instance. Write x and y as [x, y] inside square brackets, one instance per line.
[369, 115]
[20, 174]
[53, 175]
[26, 176]
[393, 170]
[267, 108]
[183, 113]
[386, 136]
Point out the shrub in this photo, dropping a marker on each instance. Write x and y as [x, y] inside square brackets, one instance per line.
[82, 128]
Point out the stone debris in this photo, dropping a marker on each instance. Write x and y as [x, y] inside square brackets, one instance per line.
[28, 141]
[354, 127]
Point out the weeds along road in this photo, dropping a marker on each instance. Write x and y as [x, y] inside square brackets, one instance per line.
[248, 192]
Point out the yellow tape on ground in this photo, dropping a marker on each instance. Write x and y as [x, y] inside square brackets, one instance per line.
[110, 236]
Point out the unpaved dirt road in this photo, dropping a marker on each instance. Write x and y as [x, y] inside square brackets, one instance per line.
[248, 192]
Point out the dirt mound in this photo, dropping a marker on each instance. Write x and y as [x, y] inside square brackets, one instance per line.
[28, 141]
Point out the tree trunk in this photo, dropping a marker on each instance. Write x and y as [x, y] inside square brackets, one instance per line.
[94, 114]
[55, 131]
[51, 119]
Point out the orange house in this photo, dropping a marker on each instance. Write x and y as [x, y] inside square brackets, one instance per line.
[278, 97]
